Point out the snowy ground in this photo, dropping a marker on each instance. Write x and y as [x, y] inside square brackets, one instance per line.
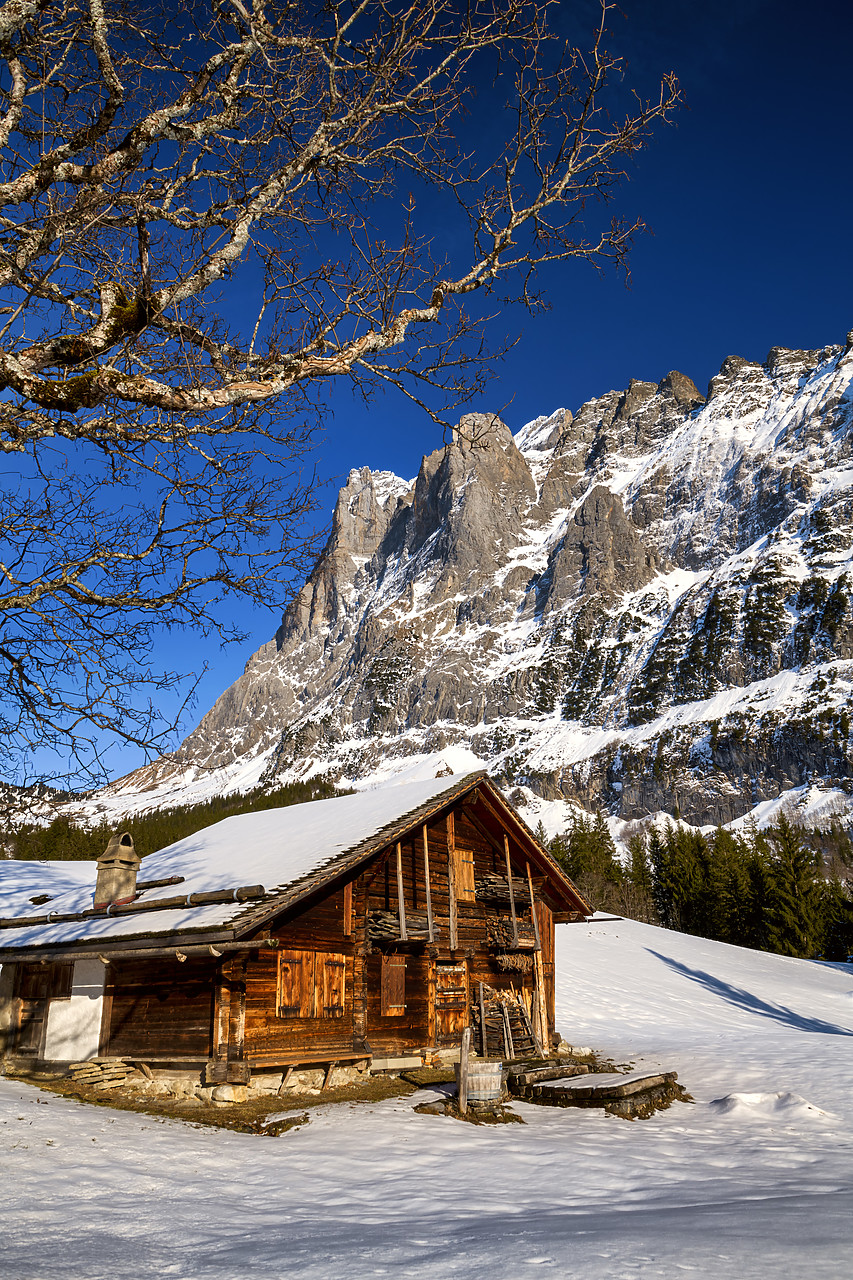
[754, 1180]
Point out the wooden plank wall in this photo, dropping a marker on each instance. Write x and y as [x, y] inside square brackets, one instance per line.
[392, 1036]
[319, 929]
[546, 932]
[161, 1008]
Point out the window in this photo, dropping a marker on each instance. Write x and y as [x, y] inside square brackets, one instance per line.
[311, 984]
[393, 986]
[334, 971]
[295, 984]
[463, 870]
[45, 981]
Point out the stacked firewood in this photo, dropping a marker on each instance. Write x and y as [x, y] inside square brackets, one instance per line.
[500, 933]
[103, 1073]
[509, 1033]
[384, 926]
[495, 889]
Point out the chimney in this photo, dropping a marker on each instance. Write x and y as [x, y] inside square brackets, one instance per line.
[118, 866]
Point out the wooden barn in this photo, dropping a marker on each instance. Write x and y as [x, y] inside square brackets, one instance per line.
[366, 926]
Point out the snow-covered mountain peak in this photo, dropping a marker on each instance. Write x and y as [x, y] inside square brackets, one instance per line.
[646, 604]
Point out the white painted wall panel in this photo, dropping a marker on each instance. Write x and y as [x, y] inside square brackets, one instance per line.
[74, 1025]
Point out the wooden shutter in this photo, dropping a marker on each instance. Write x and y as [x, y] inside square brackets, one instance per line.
[63, 981]
[334, 974]
[393, 986]
[464, 868]
[295, 984]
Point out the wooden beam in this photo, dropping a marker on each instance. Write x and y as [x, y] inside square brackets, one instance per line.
[426, 884]
[348, 908]
[484, 1039]
[508, 1045]
[361, 910]
[330, 1068]
[288, 1072]
[237, 1011]
[106, 1017]
[463, 1071]
[246, 893]
[107, 954]
[451, 881]
[538, 946]
[431, 986]
[222, 1014]
[401, 897]
[511, 892]
[541, 1005]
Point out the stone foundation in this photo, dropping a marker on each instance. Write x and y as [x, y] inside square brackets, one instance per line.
[173, 1083]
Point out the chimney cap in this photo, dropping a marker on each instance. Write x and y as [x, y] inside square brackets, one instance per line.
[121, 846]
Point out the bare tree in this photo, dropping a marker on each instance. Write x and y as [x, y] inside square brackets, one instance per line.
[156, 156]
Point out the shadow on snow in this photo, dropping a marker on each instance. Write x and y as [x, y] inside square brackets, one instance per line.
[743, 999]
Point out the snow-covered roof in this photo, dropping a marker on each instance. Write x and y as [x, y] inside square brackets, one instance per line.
[21, 881]
[276, 848]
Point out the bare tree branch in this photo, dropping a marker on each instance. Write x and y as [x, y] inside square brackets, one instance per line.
[152, 154]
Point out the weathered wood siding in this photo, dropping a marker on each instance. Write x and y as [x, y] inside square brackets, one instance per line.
[394, 1035]
[318, 932]
[546, 933]
[160, 1009]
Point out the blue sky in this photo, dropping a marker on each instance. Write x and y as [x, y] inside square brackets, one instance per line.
[748, 197]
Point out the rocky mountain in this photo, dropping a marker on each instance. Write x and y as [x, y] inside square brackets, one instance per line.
[647, 605]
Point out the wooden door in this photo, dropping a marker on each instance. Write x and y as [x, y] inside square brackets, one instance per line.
[451, 1003]
[36, 984]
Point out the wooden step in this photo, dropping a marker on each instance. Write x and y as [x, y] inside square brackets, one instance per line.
[634, 1095]
[519, 1079]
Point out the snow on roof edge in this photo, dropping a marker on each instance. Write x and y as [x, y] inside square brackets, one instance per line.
[236, 917]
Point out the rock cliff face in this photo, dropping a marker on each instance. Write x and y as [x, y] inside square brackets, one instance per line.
[647, 605]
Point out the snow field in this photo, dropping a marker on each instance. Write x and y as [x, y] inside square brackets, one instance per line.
[754, 1180]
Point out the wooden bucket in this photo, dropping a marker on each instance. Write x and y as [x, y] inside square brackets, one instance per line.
[484, 1081]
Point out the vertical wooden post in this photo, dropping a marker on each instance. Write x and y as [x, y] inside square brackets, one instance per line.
[451, 882]
[541, 1005]
[431, 986]
[508, 1045]
[533, 909]
[237, 1027]
[348, 908]
[463, 1071]
[361, 896]
[426, 883]
[222, 1015]
[401, 897]
[511, 892]
[106, 1013]
[484, 1039]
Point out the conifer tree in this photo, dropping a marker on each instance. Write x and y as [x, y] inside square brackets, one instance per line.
[793, 909]
[836, 910]
[640, 903]
[728, 891]
[588, 855]
[663, 887]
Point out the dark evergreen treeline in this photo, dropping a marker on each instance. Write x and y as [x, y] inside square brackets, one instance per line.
[781, 889]
[65, 840]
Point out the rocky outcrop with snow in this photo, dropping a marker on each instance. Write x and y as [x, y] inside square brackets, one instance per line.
[646, 605]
